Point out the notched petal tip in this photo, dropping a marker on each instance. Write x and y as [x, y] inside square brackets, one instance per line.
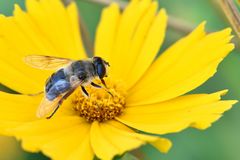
[203, 23]
[111, 8]
[227, 30]
[72, 5]
[222, 92]
[233, 102]
[162, 144]
[201, 27]
[16, 8]
[216, 114]
[2, 16]
[114, 5]
[231, 46]
[231, 37]
[163, 13]
[154, 4]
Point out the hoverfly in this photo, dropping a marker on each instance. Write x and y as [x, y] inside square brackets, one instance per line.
[70, 74]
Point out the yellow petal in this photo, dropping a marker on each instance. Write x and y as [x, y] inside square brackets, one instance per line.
[19, 108]
[12, 64]
[199, 111]
[101, 147]
[138, 39]
[11, 71]
[84, 151]
[131, 35]
[57, 26]
[183, 67]
[106, 31]
[72, 13]
[58, 138]
[141, 32]
[162, 144]
[66, 146]
[37, 31]
[150, 48]
[119, 139]
[16, 109]
[128, 23]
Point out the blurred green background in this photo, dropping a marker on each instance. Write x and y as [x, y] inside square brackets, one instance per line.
[222, 140]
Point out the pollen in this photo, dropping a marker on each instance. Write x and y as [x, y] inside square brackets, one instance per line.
[100, 106]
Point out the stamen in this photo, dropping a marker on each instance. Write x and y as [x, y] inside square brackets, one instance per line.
[101, 106]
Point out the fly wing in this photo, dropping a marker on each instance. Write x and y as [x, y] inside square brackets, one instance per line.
[46, 62]
[46, 107]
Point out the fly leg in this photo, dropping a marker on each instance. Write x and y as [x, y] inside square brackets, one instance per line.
[98, 86]
[85, 92]
[35, 94]
[103, 82]
[60, 103]
[95, 85]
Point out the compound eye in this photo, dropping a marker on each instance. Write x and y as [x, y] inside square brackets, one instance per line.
[101, 70]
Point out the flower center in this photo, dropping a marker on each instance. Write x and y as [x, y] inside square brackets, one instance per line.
[100, 106]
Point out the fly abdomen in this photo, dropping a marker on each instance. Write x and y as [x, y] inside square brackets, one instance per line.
[54, 78]
[56, 85]
[58, 88]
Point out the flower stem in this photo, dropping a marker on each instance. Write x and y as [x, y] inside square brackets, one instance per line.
[232, 13]
[86, 37]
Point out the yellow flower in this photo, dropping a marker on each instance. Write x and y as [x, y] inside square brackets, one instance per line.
[148, 96]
